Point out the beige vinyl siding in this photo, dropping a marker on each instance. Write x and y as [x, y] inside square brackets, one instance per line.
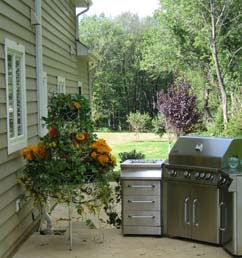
[15, 25]
[58, 19]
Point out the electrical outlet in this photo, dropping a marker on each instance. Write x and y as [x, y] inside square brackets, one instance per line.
[18, 202]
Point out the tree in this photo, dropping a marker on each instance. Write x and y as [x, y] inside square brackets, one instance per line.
[179, 106]
[138, 121]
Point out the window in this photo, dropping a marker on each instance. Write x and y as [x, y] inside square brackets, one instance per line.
[15, 95]
[79, 85]
[61, 84]
[43, 95]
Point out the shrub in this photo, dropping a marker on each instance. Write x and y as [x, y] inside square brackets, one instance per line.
[131, 155]
[138, 121]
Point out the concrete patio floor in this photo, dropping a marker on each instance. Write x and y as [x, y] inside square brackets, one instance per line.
[85, 245]
[107, 242]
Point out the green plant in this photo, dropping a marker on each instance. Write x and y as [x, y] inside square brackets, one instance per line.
[158, 124]
[138, 121]
[68, 158]
[131, 155]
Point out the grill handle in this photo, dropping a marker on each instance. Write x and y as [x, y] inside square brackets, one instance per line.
[223, 216]
[186, 211]
[141, 216]
[141, 186]
[195, 212]
[152, 201]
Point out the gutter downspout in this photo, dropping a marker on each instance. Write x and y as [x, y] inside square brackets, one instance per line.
[78, 39]
[40, 91]
[77, 22]
[39, 68]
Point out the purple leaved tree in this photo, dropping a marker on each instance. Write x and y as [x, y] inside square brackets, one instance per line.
[179, 107]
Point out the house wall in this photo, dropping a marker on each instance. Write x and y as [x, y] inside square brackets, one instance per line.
[58, 19]
[15, 25]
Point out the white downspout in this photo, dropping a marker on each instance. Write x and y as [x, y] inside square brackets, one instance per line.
[39, 68]
[40, 91]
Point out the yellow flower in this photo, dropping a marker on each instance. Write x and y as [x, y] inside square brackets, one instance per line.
[103, 159]
[77, 105]
[80, 136]
[101, 146]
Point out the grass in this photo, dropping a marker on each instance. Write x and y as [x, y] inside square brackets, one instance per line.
[149, 144]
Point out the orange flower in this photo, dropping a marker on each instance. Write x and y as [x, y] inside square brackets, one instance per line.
[103, 159]
[114, 160]
[94, 154]
[29, 152]
[101, 146]
[41, 151]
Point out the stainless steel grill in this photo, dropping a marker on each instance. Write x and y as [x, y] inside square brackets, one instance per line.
[196, 198]
[141, 197]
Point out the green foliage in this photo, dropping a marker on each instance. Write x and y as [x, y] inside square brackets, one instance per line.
[234, 127]
[159, 125]
[131, 155]
[138, 121]
[69, 157]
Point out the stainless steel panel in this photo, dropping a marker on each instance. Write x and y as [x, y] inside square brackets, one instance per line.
[205, 217]
[141, 203]
[226, 215]
[179, 209]
[141, 218]
[139, 187]
[212, 152]
[141, 230]
[234, 246]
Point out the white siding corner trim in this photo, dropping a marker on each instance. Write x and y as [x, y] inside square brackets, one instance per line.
[15, 96]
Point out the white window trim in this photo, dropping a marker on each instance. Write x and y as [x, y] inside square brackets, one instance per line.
[18, 142]
[61, 79]
[43, 110]
[80, 88]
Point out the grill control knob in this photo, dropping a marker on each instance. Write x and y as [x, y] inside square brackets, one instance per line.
[197, 174]
[187, 174]
[173, 173]
[224, 181]
[212, 177]
[202, 175]
[220, 179]
[208, 176]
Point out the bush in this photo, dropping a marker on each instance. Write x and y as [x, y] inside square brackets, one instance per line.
[158, 124]
[131, 155]
[138, 121]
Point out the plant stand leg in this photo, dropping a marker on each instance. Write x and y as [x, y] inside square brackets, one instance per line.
[70, 224]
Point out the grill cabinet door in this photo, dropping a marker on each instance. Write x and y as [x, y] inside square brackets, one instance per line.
[205, 213]
[179, 209]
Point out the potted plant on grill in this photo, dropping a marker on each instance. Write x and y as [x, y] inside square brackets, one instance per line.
[69, 163]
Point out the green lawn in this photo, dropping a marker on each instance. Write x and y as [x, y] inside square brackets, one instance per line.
[148, 143]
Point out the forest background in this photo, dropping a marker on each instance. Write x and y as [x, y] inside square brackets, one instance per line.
[136, 58]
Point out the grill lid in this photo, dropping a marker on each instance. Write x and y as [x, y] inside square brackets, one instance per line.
[212, 152]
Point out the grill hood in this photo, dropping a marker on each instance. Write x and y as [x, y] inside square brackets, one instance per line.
[207, 152]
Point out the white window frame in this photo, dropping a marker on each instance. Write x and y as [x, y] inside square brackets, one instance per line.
[80, 88]
[61, 85]
[43, 108]
[16, 142]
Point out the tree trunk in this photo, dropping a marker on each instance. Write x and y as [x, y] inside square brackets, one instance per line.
[207, 112]
[217, 65]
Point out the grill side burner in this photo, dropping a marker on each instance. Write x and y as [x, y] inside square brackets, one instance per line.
[196, 197]
[141, 197]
